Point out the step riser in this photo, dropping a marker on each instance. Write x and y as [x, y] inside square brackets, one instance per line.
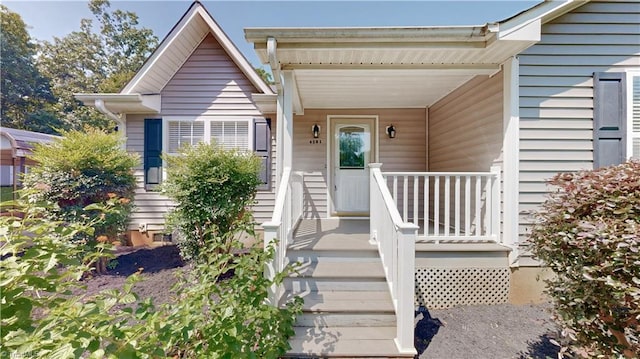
[305, 285]
[345, 320]
[336, 255]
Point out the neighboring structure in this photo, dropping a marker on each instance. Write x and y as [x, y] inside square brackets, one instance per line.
[15, 147]
[467, 122]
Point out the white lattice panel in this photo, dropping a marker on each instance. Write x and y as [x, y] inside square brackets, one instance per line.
[449, 287]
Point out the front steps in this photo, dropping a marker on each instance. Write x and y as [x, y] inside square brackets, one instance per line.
[347, 308]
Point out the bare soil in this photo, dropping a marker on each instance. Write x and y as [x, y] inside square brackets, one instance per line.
[475, 332]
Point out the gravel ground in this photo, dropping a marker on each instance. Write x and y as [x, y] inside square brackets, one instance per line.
[474, 332]
[486, 331]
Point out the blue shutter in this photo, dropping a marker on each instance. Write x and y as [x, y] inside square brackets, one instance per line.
[152, 152]
[609, 118]
[262, 148]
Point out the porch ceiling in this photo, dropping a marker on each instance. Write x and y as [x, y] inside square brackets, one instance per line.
[378, 88]
[390, 67]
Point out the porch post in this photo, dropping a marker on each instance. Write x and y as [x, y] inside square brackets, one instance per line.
[407, 233]
[287, 117]
[511, 155]
[279, 141]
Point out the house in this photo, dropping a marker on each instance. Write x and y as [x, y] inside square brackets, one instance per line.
[401, 164]
[15, 147]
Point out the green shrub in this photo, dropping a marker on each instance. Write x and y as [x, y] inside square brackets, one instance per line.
[84, 168]
[588, 233]
[220, 309]
[44, 313]
[212, 188]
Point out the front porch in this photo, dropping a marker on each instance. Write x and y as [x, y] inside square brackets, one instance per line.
[348, 308]
[414, 129]
[373, 272]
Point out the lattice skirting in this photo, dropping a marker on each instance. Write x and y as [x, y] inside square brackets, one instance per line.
[448, 287]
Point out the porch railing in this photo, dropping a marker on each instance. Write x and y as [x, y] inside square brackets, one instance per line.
[449, 206]
[395, 239]
[286, 214]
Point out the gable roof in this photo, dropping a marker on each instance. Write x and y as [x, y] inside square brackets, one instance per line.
[176, 48]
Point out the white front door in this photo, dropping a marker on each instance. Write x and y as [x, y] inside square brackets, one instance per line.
[353, 148]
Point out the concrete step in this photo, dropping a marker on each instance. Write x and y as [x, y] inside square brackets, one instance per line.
[364, 319]
[300, 285]
[344, 342]
[341, 269]
[348, 302]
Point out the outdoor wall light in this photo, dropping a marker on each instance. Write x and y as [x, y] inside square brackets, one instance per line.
[391, 131]
[315, 130]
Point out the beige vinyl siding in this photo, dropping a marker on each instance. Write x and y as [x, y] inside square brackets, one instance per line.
[208, 86]
[465, 130]
[406, 152]
[556, 92]
[150, 206]
[465, 127]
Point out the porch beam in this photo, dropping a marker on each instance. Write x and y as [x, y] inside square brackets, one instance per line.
[478, 69]
[511, 155]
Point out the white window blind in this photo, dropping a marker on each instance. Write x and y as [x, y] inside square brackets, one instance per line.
[231, 134]
[635, 116]
[184, 132]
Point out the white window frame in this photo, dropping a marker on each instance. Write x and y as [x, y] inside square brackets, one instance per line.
[207, 128]
[165, 133]
[630, 133]
[250, 134]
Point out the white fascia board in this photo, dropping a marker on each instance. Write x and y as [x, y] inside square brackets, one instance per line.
[522, 26]
[366, 34]
[266, 103]
[122, 103]
[235, 54]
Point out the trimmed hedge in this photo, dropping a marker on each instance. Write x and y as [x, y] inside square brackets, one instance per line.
[588, 233]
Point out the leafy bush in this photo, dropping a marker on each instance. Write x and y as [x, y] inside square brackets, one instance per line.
[44, 313]
[222, 309]
[84, 168]
[212, 188]
[588, 233]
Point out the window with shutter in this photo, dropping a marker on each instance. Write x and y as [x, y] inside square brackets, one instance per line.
[244, 134]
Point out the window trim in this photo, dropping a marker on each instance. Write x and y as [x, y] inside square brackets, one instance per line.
[630, 133]
[207, 128]
[207, 131]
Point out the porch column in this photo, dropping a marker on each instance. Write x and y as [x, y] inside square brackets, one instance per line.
[287, 119]
[511, 155]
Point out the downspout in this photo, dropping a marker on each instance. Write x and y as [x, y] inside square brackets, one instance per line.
[275, 68]
[99, 104]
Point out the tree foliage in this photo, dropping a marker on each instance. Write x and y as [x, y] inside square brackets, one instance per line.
[24, 90]
[84, 168]
[212, 189]
[89, 61]
[588, 233]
